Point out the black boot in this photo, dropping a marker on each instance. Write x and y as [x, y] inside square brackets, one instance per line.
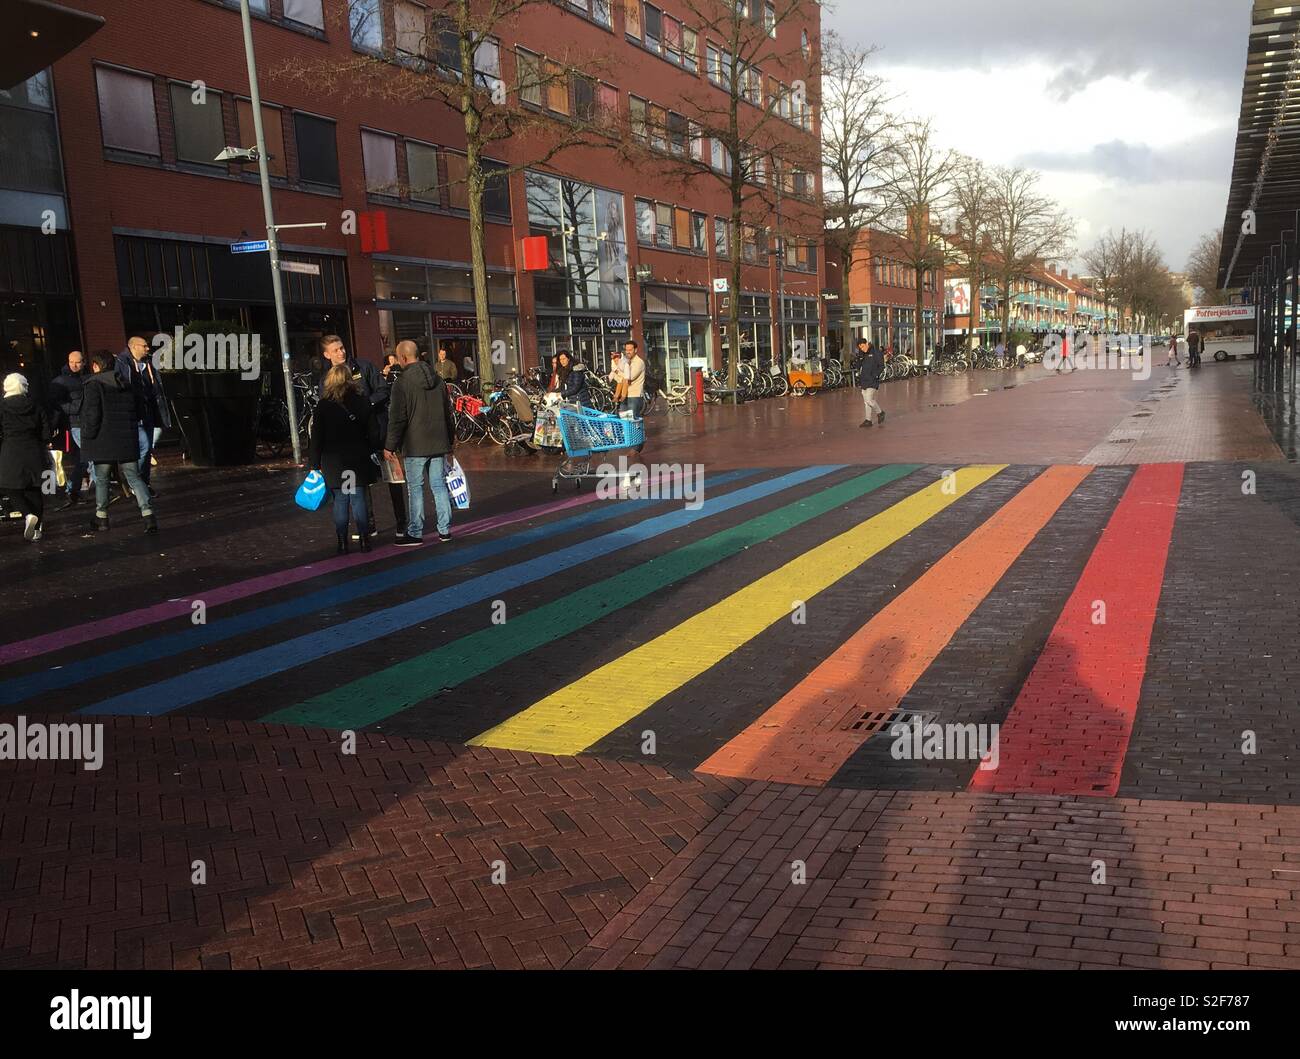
[365, 542]
[343, 542]
[150, 523]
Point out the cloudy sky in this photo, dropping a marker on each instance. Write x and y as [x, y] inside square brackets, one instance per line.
[1127, 107]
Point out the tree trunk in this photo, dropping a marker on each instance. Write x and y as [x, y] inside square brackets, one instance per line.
[976, 305]
[733, 313]
[474, 191]
[1006, 314]
[918, 333]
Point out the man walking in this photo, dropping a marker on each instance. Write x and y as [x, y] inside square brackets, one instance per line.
[134, 366]
[420, 428]
[67, 391]
[871, 369]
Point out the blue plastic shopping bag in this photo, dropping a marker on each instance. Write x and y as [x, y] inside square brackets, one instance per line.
[456, 485]
[311, 494]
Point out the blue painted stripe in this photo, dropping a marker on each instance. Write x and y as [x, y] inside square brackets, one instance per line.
[166, 644]
[218, 678]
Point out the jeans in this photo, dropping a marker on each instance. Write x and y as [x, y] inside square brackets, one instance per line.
[353, 503]
[75, 469]
[130, 473]
[635, 405]
[145, 435]
[869, 402]
[416, 468]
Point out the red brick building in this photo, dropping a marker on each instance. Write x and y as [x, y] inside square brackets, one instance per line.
[117, 163]
[882, 296]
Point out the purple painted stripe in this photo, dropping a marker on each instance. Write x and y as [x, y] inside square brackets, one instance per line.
[173, 608]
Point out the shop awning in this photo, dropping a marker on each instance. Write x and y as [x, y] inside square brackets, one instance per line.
[1266, 166]
[37, 33]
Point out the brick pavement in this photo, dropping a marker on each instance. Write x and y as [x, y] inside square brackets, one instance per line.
[618, 858]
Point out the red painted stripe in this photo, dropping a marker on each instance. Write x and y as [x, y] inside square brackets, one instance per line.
[1069, 728]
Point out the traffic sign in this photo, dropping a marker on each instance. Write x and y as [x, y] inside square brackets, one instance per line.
[257, 246]
[304, 267]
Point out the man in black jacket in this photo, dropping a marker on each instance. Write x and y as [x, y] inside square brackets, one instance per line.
[871, 369]
[374, 388]
[420, 427]
[135, 367]
[66, 391]
[110, 436]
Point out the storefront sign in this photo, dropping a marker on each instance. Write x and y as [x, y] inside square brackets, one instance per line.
[721, 285]
[618, 324]
[454, 324]
[585, 325]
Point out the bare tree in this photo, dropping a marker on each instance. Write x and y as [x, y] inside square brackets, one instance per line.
[1203, 269]
[920, 194]
[1105, 261]
[450, 54]
[745, 130]
[859, 142]
[971, 239]
[1025, 229]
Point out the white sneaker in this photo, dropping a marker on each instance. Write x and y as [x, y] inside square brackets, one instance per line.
[31, 527]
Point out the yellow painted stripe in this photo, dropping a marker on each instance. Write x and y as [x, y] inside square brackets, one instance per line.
[584, 712]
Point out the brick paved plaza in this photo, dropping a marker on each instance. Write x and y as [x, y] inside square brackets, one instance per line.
[635, 733]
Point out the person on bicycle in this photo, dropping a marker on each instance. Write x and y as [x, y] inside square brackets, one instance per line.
[871, 369]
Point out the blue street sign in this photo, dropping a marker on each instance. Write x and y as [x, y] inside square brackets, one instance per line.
[259, 246]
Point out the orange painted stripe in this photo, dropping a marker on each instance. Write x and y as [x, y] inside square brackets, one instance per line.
[806, 736]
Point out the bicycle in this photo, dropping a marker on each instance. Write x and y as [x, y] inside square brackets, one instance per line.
[679, 398]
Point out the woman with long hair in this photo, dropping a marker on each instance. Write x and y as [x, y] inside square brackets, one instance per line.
[344, 436]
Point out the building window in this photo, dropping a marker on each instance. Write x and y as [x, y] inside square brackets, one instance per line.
[721, 244]
[379, 159]
[663, 225]
[411, 31]
[127, 115]
[528, 70]
[318, 159]
[272, 130]
[30, 160]
[645, 222]
[584, 98]
[769, 20]
[654, 28]
[632, 18]
[200, 134]
[305, 12]
[596, 10]
[422, 172]
[557, 88]
[487, 66]
[699, 240]
[365, 24]
[638, 119]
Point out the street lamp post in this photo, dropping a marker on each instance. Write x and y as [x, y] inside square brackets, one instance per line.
[272, 241]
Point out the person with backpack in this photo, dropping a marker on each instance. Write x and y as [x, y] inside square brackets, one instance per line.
[871, 370]
[110, 437]
[344, 438]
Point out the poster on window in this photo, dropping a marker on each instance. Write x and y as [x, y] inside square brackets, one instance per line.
[612, 253]
[958, 292]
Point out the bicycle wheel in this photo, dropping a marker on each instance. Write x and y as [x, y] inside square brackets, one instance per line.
[780, 386]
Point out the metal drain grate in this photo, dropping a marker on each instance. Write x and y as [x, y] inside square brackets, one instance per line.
[872, 721]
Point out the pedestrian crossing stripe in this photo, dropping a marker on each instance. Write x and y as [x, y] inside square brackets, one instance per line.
[803, 737]
[585, 711]
[165, 696]
[377, 696]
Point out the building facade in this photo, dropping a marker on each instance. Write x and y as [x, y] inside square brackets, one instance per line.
[1048, 299]
[115, 219]
[882, 297]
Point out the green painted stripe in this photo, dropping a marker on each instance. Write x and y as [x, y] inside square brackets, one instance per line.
[380, 695]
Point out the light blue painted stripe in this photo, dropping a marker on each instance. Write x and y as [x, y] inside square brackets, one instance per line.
[218, 678]
[167, 644]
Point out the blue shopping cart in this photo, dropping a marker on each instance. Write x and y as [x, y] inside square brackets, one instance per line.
[585, 432]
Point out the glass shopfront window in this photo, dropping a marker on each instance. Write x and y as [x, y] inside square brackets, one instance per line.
[879, 332]
[587, 238]
[904, 330]
[802, 329]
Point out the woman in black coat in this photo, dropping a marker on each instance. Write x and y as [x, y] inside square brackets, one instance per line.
[571, 379]
[344, 437]
[110, 436]
[24, 453]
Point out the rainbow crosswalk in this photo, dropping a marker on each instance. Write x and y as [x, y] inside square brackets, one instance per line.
[774, 633]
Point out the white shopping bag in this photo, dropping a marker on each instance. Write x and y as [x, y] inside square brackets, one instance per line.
[456, 485]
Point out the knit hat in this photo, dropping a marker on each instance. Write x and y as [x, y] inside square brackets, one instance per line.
[15, 384]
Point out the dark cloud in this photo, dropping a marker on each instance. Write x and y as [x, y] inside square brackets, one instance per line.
[1200, 43]
[1206, 157]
